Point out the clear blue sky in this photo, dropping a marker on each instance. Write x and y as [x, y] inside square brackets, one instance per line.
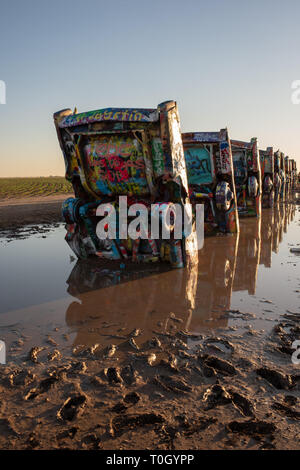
[226, 62]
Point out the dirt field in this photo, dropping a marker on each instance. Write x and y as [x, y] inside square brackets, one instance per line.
[12, 188]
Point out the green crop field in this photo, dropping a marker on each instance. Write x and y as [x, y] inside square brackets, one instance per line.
[29, 187]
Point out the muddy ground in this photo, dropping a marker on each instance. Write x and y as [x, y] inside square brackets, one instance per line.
[17, 213]
[164, 388]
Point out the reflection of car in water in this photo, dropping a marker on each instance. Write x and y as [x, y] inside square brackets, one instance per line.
[210, 178]
[217, 265]
[149, 299]
[279, 213]
[136, 153]
[280, 177]
[267, 176]
[294, 175]
[248, 256]
[287, 176]
[128, 300]
[267, 227]
[247, 176]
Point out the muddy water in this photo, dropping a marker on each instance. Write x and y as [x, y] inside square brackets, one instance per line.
[46, 295]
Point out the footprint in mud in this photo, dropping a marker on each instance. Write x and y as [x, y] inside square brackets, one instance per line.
[128, 374]
[252, 428]
[217, 395]
[67, 433]
[275, 378]
[172, 384]
[43, 387]
[6, 428]
[21, 378]
[286, 410]
[113, 375]
[132, 398]
[123, 423]
[220, 365]
[242, 403]
[72, 407]
[220, 345]
[188, 427]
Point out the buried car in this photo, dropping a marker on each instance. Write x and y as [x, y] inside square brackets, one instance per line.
[210, 179]
[247, 176]
[267, 176]
[278, 182]
[282, 175]
[114, 153]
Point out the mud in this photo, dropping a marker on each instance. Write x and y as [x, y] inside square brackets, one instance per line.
[162, 360]
[18, 213]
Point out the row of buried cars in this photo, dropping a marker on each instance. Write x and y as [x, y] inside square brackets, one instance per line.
[142, 154]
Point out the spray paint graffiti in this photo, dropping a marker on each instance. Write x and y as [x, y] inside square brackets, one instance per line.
[209, 160]
[106, 158]
[247, 175]
[267, 174]
[199, 167]
[110, 114]
[116, 162]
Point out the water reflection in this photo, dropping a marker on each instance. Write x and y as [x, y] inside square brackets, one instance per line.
[279, 213]
[216, 272]
[106, 305]
[248, 256]
[112, 303]
[267, 229]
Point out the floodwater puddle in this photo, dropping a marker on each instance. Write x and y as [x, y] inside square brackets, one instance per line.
[245, 281]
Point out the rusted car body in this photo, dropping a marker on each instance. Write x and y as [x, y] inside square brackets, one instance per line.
[130, 152]
[247, 175]
[282, 175]
[277, 176]
[210, 178]
[287, 176]
[267, 176]
[294, 175]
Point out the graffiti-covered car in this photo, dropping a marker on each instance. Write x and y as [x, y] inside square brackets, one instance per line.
[130, 163]
[294, 174]
[210, 179]
[277, 176]
[282, 175]
[247, 175]
[267, 176]
[288, 176]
